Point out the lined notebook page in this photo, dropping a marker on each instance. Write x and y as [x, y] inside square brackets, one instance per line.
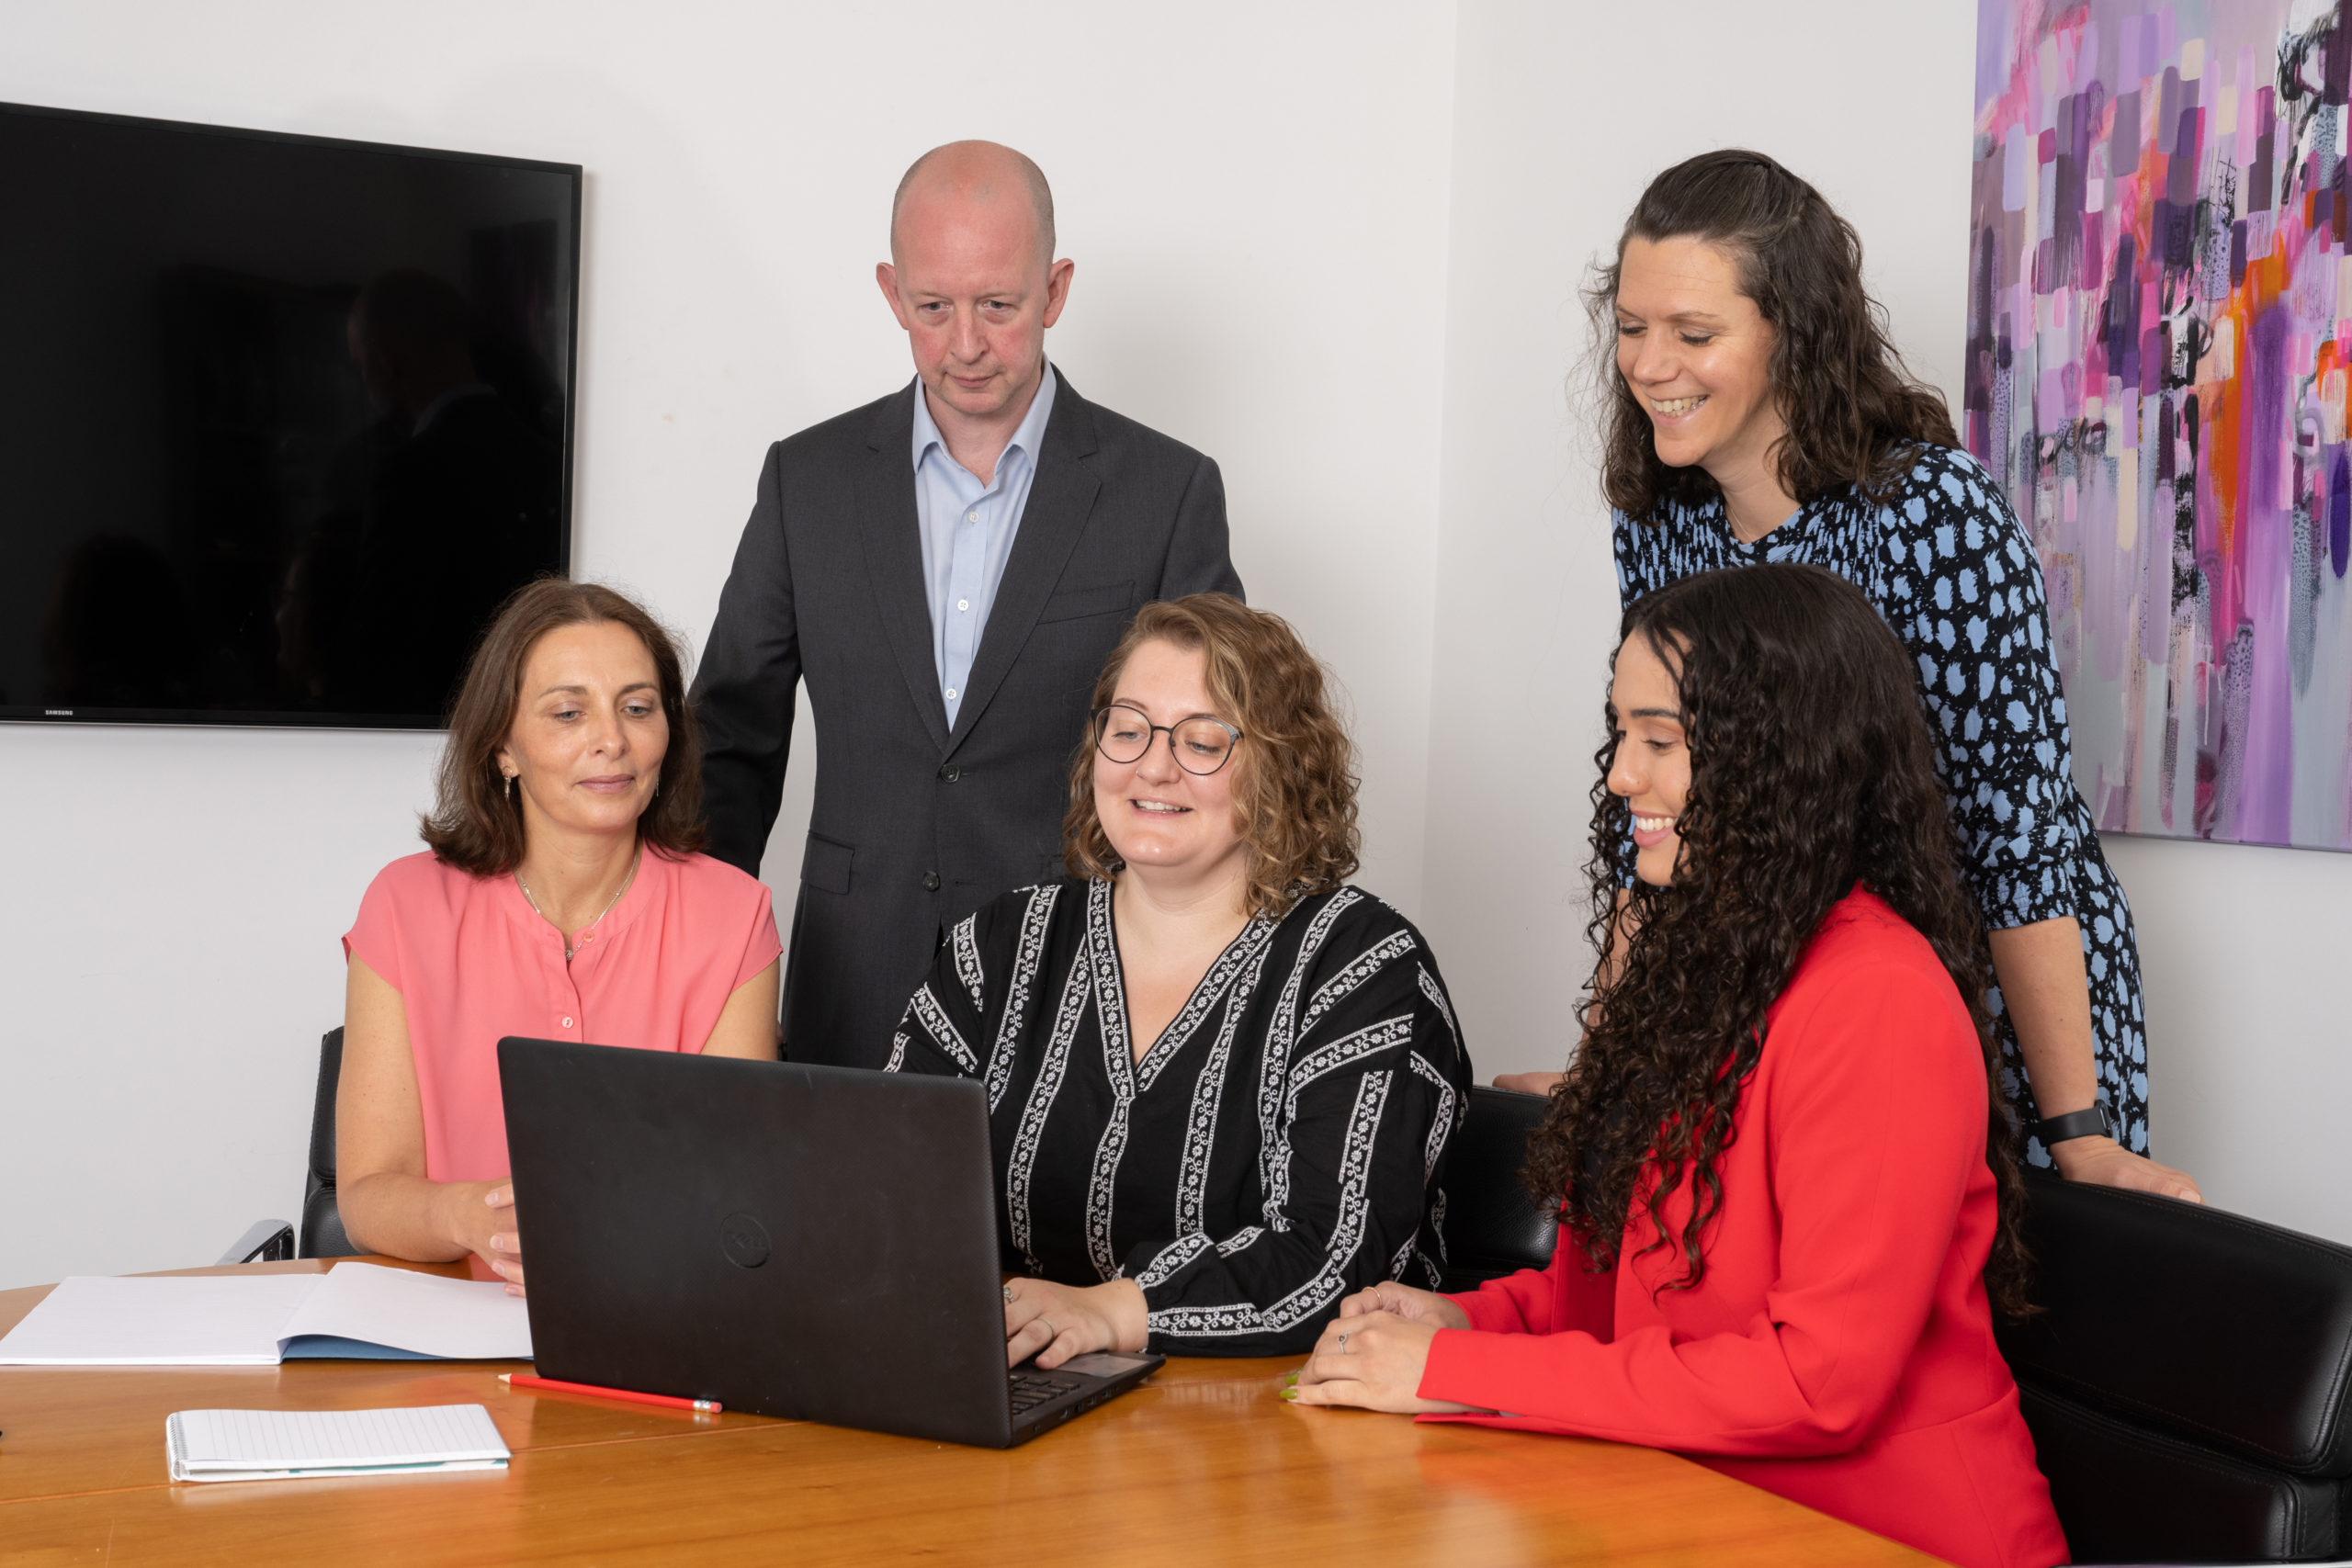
[336, 1440]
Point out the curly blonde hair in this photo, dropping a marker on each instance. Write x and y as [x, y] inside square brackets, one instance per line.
[1295, 784]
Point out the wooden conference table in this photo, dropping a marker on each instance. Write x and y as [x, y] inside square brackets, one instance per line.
[1205, 1464]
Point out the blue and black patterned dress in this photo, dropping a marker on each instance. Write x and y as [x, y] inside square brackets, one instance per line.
[1948, 564]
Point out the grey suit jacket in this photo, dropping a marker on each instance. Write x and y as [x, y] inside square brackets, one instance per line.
[915, 825]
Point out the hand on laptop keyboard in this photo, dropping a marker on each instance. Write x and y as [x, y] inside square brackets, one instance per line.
[1053, 1322]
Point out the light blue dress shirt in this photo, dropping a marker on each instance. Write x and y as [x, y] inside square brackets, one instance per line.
[967, 529]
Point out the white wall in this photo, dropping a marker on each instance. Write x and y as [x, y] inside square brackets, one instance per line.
[1337, 245]
[1260, 246]
[1562, 114]
[2249, 1040]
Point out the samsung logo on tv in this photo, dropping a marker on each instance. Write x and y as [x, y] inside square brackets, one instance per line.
[57, 713]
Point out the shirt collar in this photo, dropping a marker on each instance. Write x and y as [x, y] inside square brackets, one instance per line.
[1027, 438]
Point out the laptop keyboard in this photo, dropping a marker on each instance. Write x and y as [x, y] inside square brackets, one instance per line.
[1032, 1389]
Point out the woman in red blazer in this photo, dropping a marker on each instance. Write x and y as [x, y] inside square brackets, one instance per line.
[1788, 1196]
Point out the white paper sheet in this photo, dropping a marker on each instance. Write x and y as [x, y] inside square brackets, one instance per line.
[216, 1321]
[456, 1319]
[269, 1445]
[244, 1320]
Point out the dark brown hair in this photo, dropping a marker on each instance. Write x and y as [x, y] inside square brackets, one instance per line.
[475, 823]
[1811, 768]
[1295, 791]
[1853, 411]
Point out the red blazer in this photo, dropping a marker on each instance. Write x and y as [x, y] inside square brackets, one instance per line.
[1839, 1351]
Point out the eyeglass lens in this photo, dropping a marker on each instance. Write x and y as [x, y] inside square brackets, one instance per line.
[1124, 734]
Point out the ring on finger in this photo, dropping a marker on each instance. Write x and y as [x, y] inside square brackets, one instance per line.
[1051, 1332]
[1341, 1348]
[1008, 1295]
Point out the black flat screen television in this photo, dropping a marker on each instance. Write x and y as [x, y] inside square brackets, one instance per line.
[282, 419]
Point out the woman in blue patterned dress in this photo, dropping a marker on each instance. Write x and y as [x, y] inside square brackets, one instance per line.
[1757, 411]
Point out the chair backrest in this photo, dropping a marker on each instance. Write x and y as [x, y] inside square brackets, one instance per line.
[2188, 1382]
[1491, 1227]
[322, 1234]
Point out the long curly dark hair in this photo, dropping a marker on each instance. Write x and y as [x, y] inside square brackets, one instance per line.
[1812, 770]
[1854, 414]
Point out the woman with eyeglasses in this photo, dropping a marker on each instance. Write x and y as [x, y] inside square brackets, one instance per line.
[1220, 1079]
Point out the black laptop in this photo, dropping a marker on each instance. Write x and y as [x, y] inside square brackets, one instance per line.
[791, 1240]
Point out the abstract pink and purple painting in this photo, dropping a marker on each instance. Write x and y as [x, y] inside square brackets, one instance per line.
[2160, 321]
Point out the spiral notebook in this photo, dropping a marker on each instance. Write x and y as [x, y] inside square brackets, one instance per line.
[298, 1444]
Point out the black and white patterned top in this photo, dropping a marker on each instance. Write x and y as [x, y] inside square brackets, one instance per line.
[1952, 569]
[1281, 1144]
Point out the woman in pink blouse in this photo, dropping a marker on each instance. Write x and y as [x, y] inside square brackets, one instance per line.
[561, 899]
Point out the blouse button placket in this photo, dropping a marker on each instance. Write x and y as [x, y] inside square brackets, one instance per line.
[567, 1010]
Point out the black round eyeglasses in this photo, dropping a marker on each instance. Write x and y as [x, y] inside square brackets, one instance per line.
[1201, 745]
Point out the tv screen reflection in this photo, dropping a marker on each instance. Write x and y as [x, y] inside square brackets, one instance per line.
[282, 420]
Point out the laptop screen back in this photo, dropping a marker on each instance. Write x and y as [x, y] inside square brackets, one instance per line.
[790, 1240]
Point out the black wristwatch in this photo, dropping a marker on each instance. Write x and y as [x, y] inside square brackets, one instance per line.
[2097, 1122]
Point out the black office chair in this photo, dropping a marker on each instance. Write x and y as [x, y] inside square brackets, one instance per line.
[322, 1222]
[2187, 1385]
[1491, 1227]
[322, 1234]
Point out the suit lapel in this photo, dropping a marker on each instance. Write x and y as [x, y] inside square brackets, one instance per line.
[1060, 501]
[891, 532]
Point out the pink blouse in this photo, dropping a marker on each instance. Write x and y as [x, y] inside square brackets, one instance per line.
[473, 963]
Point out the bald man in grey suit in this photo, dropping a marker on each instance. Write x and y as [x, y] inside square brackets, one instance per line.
[947, 570]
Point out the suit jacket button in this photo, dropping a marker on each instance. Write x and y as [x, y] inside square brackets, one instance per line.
[931, 882]
[950, 772]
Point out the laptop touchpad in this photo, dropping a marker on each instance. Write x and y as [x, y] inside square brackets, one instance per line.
[1100, 1364]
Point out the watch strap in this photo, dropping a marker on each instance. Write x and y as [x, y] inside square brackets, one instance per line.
[2090, 1123]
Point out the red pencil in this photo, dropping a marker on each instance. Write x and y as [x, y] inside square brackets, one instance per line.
[525, 1379]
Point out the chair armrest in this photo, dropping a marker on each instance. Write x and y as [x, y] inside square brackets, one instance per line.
[266, 1241]
[2186, 1318]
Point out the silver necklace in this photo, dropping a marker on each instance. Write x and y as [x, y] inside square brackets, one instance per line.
[592, 925]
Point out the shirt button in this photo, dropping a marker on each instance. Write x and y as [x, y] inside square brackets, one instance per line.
[930, 885]
[971, 517]
[951, 694]
[963, 603]
[566, 1023]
